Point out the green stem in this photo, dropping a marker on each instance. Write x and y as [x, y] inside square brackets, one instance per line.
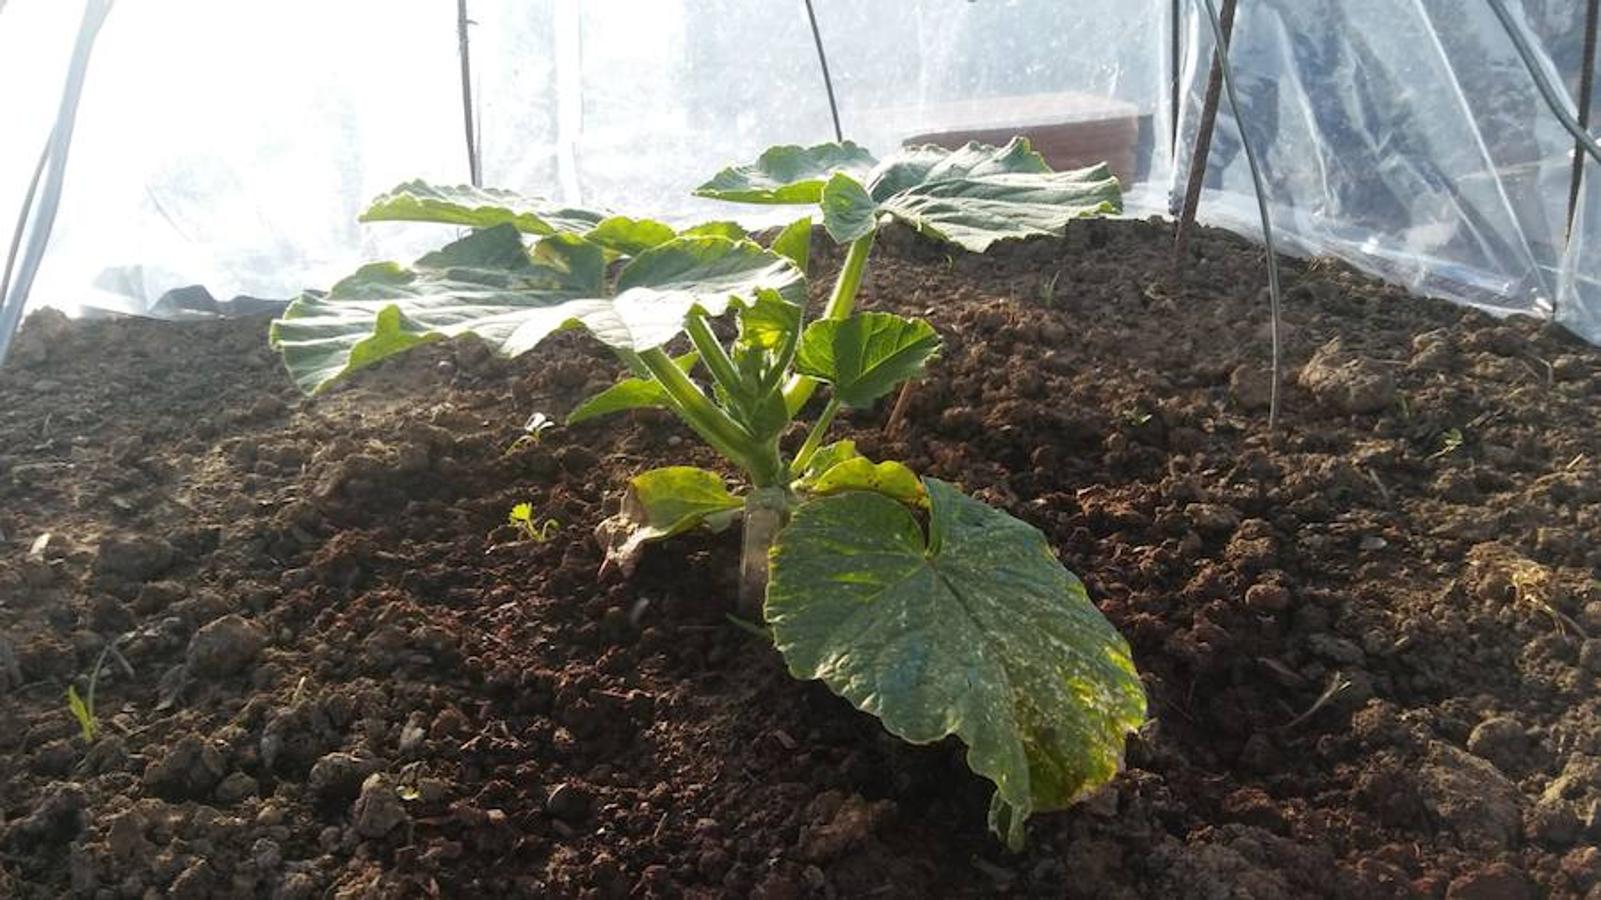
[713, 425]
[633, 362]
[840, 304]
[713, 355]
[815, 438]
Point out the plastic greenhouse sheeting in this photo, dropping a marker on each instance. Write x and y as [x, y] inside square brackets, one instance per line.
[232, 145]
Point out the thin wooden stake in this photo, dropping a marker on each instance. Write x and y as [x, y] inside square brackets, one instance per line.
[1203, 144]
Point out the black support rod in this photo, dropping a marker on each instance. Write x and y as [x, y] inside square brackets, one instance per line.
[822, 60]
[1592, 18]
[474, 166]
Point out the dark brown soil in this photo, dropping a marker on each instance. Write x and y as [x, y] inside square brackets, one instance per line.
[1364, 638]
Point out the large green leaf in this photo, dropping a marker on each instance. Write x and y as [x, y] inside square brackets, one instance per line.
[419, 201]
[488, 285]
[629, 236]
[867, 354]
[971, 197]
[662, 503]
[976, 631]
[787, 174]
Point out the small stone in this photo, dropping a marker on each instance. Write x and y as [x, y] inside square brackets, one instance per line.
[338, 777]
[235, 788]
[1501, 740]
[57, 819]
[1268, 597]
[266, 854]
[125, 836]
[195, 883]
[840, 824]
[1251, 387]
[568, 802]
[1496, 881]
[1335, 648]
[191, 768]
[1353, 384]
[413, 733]
[224, 647]
[1552, 823]
[1590, 656]
[297, 886]
[134, 557]
[1212, 518]
[379, 809]
[1471, 796]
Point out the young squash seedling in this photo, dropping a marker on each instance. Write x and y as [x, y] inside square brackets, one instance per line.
[934, 612]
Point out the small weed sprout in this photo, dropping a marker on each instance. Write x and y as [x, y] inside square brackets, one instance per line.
[533, 430]
[1048, 289]
[82, 707]
[1450, 442]
[84, 712]
[528, 527]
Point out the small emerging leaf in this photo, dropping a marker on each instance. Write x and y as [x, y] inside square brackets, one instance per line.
[848, 211]
[827, 457]
[419, 201]
[662, 503]
[975, 630]
[866, 355]
[889, 478]
[787, 174]
[521, 513]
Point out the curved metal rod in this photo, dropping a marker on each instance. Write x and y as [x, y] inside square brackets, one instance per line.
[1543, 84]
[1261, 205]
[822, 60]
[38, 218]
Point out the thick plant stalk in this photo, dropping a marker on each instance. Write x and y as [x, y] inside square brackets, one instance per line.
[766, 513]
[840, 304]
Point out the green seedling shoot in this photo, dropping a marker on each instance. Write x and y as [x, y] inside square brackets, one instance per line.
[522, 518]
[929, 609]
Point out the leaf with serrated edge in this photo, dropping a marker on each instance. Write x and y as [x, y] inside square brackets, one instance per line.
[419, 201]
[787, 174]
[867, 354]
[976, 631]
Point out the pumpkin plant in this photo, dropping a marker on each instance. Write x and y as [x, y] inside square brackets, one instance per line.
[925, 607]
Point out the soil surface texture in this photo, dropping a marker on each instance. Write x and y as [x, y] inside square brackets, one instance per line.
[1371, 639]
